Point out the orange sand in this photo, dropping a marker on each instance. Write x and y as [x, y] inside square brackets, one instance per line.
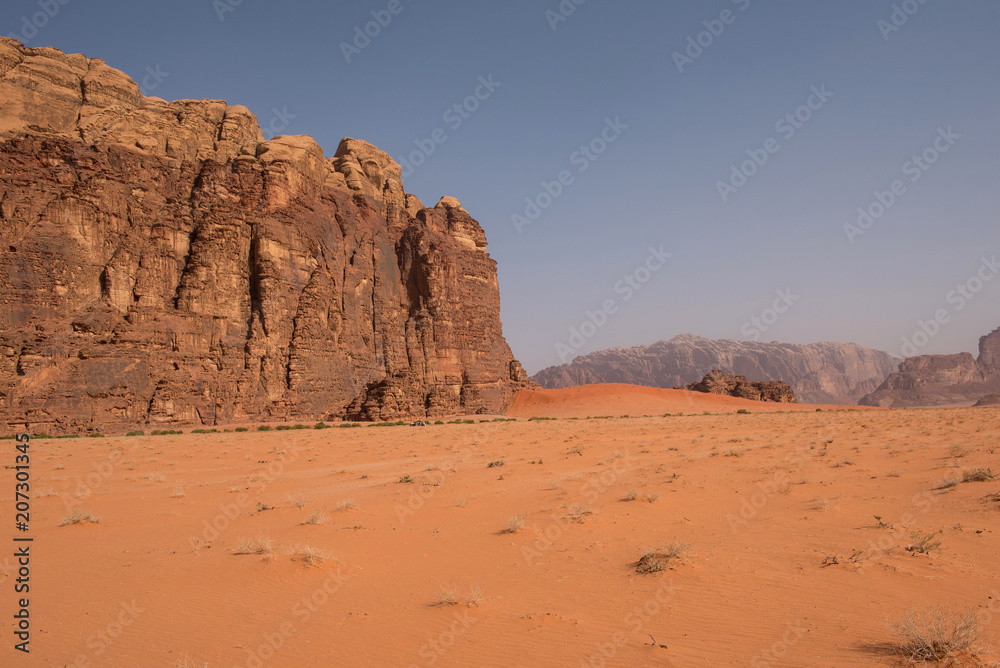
[151, 585]
[617, 399]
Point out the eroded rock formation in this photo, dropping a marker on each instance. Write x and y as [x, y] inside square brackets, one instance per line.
[719, 382]
[822, 373]
[942, 380]
[163, 263]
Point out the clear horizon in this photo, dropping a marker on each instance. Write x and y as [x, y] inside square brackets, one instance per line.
[732, 169]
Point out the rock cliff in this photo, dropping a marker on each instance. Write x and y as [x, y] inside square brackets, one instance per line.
[827, 373]
[163, 264]
[942, 380]
[719, 382]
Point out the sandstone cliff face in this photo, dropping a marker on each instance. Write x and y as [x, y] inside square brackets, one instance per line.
[942, 380]
[162, 263]
[719, 382]
[829, 373]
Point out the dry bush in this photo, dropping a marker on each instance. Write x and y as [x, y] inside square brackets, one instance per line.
[514, 524]
[653, 497]
[978, 475]
[931, 635]
[178, 492]
[654, 561]
[79, 517]
[631, 495]
[957, 451]
[316, 517]
[475, 596]
[347, 504]
[947, 483]
[924, 543]
[461, 502]
[448, 596]
[297, 500]
[310, 556]
[258, 545]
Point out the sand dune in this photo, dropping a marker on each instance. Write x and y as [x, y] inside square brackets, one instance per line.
[619, 399]
[407, 563]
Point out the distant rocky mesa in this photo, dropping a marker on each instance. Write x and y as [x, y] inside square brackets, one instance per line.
[943, 380]
[719, 382]
[163, 264]
[822, 373]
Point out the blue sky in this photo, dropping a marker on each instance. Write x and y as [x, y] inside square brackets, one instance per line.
[557, 85]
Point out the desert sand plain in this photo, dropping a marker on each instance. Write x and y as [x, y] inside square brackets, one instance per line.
[514, 543]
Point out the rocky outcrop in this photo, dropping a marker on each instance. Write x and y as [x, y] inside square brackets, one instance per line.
[942, 380]
[988, 400]
[163, 264]
[719, 382]
[825, 373]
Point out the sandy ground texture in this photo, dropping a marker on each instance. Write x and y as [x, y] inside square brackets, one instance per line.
[784, 539]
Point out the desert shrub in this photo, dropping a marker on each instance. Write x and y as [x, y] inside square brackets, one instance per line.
[258, 545]
[264, 427]
[349, 425]
[495, 464]
[933, 634]
[924, 543]
[321, 425]
[241, 430]
[978, 475]
[137, 432]
[514, 524]
[316, 517]
[95, 434]
[743, 411]
[654, 561]
[79, 517]
[283, 427]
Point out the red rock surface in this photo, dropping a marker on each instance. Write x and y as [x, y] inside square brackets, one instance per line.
[163, 264]
[820, 373]
[943, 380]
[719, 382]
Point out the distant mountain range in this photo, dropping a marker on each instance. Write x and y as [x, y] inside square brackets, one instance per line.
[828, 373]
